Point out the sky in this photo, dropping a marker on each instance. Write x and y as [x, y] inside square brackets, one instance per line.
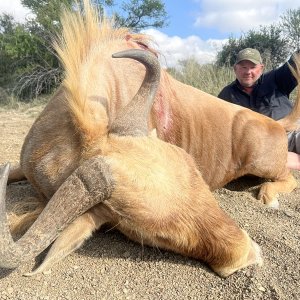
[198, 28]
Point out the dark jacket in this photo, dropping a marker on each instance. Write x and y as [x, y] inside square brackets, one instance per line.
[270, 95]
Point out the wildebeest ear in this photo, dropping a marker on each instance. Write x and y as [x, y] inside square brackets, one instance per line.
[133, 118]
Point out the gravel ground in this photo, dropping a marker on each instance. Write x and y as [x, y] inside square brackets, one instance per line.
[109, 266]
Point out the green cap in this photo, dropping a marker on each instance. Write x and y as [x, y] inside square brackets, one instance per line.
[249, 54]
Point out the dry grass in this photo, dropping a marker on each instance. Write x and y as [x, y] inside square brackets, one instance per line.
[208, 78]
[14, 126]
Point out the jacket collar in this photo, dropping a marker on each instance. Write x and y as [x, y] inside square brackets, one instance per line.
[257, 83]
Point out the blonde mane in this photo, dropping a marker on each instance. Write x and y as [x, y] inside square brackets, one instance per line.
[83, 33]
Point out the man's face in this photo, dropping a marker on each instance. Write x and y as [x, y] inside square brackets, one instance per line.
[247, 73]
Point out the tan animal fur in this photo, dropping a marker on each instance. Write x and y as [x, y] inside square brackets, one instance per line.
[161, 200]
[226, 141]
[150, 190]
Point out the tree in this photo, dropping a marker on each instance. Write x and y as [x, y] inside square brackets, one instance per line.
[268, 40]
[27, 67]
[290, 23]
[270, 43]
[141, 14]
[7, 26]
[226, 56]
[46, 13]
[6, 23]
[16, 46]
[28, 47]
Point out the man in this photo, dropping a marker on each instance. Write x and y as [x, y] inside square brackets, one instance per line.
[266, 93]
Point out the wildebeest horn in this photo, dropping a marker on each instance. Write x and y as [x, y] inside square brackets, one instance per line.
[132, 119]
[88, 185]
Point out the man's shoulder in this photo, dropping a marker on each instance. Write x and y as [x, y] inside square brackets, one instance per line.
[227, 89]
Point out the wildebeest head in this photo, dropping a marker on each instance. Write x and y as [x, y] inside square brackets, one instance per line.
[88, 185]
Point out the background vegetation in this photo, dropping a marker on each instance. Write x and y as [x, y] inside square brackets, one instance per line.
[29, 68]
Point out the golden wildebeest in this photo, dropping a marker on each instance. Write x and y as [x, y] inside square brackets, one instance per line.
[150, 190]
[82, 123]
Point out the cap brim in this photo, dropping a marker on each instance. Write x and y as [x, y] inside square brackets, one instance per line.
[249, 59]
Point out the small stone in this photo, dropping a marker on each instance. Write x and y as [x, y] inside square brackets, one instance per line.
[47, 272]
[288, 213]
[248, 273]
[261, 288]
